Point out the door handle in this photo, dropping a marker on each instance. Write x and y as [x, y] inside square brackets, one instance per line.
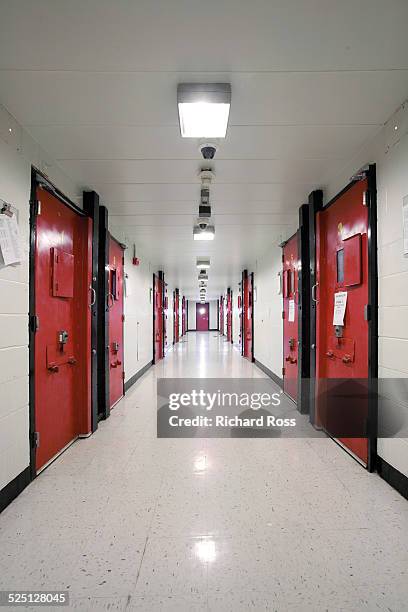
[110, 303]
[314, 290]
[93, 300]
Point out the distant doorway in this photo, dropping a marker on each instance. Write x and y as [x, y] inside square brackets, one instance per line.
[202, 317]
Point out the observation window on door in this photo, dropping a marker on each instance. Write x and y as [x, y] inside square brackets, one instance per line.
[113, 284]
[340, 265]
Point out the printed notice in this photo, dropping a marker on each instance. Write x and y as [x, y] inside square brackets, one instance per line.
[405, 223]
[340, 303]
[291, 316]
[10, 242]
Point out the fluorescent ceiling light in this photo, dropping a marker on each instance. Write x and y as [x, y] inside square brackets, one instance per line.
[204, 234]
[203, 264]
[203, 109]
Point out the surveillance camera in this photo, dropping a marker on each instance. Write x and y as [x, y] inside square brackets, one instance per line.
[208, 150]
[202, 224]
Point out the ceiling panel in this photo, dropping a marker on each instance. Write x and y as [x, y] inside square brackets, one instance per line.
[149, 99]
[95, 84]
[186, 171]
[186, 35]
[190, 208]
[243, 142]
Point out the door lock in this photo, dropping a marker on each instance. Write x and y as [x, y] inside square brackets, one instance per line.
[338, 331]
[115, 347]
[62, 338]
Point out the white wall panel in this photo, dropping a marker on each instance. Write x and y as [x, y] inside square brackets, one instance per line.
[138, 315]
[191, 314]
[268, 332]
[213, 314]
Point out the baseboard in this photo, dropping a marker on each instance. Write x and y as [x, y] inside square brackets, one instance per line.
[14, 488]
[129, 383]
[395, 478]
[268, 372]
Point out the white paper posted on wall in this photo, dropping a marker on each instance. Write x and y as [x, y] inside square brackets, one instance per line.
[10, 241]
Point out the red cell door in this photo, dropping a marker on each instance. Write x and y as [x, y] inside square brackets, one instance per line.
[229, 316]
[158, 317]
[221, 315]
[176, 317]
[290, 292]
[342, 332]
[183, 316]
[202, 317]
[62, 345]
[247, 315]
[116, 320]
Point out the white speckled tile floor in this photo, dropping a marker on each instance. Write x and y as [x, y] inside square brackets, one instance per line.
[127, 521]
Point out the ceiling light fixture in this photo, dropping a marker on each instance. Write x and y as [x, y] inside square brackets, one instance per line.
[203, 264]
[203, 109]
[207, 233]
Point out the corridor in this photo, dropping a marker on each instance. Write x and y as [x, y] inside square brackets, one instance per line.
[126, 521]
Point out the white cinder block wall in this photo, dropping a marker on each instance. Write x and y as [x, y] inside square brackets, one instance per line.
[213, 314]
[138, 315]
[191, 313]
[138, 309]
[390, 152]
[268, 329]
[18, 151]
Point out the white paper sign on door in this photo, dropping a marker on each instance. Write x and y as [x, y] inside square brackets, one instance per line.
[340, 303]
[10, 241]
[291, 317]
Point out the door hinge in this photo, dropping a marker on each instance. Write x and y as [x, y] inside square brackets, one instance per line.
[366, 198]
[36, 207]
[283, 314]
[36, 439]
[123, 375]
[283, 371]
[123, 318]
[367, 312]
[35, 323]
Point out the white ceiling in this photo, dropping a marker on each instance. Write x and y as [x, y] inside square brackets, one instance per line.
[95, 84]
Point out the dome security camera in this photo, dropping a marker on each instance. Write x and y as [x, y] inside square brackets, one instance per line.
[202, 224]
[208, 150]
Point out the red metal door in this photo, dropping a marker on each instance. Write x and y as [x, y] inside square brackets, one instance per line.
[247, 312]
[62, 378]
[158, 318]
[221, 315]
[116, 320]
[342, 267]
[202, 317]
[290, 258]
[184, 316]
[229, 316]
[176, 317]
